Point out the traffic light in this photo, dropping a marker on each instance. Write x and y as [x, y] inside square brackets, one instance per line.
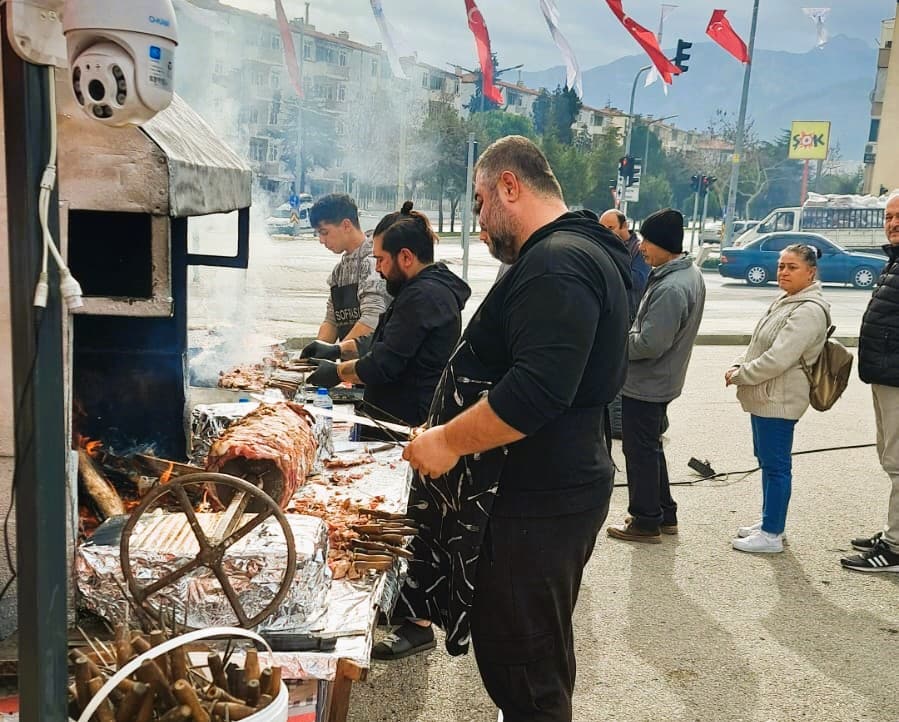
[707, 181]
[626, 169]
[636, 169]
[680, 60]
[694, 183]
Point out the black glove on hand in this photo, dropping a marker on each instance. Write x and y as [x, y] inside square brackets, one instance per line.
[325, 376]
[321, 350]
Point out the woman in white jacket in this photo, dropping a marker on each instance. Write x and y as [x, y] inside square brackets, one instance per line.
[773, 388]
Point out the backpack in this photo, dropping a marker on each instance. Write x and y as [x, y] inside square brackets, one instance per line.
[829, 375]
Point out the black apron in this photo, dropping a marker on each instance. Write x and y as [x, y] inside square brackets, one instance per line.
[452, 512]
[347, 311]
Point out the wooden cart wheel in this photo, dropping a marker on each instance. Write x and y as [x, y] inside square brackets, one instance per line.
[212, 551]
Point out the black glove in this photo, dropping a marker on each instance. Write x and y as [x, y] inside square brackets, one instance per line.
[325, 376]
[321, 350]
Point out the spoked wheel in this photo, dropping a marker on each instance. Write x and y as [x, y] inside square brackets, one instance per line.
[757, 275]
[863, 277]
[228, 530]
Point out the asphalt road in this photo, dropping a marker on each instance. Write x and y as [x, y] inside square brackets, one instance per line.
[283, 294]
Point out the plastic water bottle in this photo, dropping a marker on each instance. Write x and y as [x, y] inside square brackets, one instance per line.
[323, 401]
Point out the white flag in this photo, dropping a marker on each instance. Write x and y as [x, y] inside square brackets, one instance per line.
[653, 74]
[818, 16]
[573, 77]
[387, 38]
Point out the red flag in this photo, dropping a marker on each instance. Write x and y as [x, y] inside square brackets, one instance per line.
[290, 53]
[647, 40]
[721, 32]
[482, 39]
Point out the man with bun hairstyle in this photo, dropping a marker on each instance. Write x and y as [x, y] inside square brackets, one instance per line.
[401, 362]
[659, 346]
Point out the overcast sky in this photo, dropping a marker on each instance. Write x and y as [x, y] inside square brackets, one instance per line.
[437, 29]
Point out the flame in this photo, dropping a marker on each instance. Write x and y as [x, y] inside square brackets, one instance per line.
[167, 474]
[91, 446]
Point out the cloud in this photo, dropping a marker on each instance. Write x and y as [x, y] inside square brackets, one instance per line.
[439, 32]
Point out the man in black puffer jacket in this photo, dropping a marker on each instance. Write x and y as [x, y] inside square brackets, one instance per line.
[878, 365]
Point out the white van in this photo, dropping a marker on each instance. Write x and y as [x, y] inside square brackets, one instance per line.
[853, 222]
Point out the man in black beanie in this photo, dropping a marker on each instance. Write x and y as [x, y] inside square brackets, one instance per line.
[659, 346]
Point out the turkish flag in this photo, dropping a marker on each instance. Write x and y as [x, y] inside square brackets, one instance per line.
[482, 39]
[647, 40]
[290, 53]
[721, 32]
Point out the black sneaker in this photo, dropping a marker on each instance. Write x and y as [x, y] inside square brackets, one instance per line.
[879, 559]
[866, 543]
[407, 639]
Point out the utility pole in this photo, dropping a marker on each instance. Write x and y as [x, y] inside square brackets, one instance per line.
[298, 169]
[646, 145]
[401, 169]
[466, 208]
[630, 124]
[697, 180]
[738, 146]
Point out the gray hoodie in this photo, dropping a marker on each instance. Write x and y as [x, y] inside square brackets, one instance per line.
[661, 339]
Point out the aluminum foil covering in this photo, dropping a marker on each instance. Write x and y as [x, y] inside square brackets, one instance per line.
[208, 421]
[161, 543]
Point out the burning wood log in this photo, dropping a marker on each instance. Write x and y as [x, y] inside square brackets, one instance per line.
[98, 487]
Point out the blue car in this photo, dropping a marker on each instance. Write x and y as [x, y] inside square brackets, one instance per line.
[756, 262]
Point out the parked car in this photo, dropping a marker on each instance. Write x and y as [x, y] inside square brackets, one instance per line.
[756, 262]
[285, 221]
[740, 227]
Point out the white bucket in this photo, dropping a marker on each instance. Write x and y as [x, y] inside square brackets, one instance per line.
[274, 712]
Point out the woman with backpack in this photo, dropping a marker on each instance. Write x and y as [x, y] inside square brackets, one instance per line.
[774, 389]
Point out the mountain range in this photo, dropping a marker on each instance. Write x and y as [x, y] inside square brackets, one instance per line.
[833, 83]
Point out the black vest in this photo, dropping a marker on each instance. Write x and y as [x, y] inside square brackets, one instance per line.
[878, 343]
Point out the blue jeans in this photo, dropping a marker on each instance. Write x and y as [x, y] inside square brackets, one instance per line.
[772, 442]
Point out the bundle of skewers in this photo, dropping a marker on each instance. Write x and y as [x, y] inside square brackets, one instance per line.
[169, 688]
[381, 539]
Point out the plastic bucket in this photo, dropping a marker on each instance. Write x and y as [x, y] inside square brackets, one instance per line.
[274, 712]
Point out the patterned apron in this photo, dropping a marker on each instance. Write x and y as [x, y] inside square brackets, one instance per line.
[452, 513]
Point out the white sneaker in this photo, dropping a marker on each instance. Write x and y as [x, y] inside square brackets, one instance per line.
[745, 531]
[760, 543]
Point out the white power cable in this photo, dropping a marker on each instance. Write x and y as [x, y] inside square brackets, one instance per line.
[68, 286]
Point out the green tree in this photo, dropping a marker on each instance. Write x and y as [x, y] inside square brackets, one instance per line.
[565, 108]
[480, 103]
[541, 111]
[495, 124]
[655, 193]
[441, 149]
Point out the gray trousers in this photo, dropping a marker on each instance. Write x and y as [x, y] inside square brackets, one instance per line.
[886, 414]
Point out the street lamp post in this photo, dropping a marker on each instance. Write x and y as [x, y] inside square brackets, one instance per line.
[630, 129]
[645, 167]
[738, 145]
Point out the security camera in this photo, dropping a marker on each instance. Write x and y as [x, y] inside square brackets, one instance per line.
[121, 57]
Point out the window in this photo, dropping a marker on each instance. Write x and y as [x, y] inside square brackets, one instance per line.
[341, 59]
[874, 130]
[436, 83]
[777, 243]
[274, 80]
[218, 68]
[341, 93]
[307, 50]
[782, 221]
[456, 87]
[259, 78]
[325, 54]
[374, 68]
[253, 115]
[275, 42]
[258, 149]
[272, 153]
[424, 80]
[273, 113]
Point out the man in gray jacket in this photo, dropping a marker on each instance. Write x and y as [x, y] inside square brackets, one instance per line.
[659, 346]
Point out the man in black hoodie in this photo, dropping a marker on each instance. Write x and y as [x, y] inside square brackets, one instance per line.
[514, 477]
[401, 362]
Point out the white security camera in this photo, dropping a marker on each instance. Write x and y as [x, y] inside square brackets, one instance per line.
[121, 57]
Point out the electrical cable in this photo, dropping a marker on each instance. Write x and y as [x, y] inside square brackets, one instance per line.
[747, 472]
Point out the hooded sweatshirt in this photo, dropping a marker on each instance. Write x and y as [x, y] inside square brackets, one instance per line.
[770, 381]
[408, 350]
[553, 333]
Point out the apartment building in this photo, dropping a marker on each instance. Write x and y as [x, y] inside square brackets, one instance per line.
[882, 82]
